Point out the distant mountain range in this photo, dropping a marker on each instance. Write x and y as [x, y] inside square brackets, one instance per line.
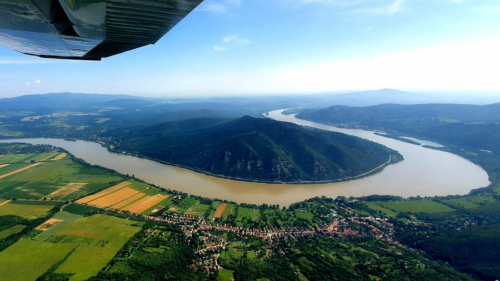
[452, 112]
[470, 126]
[254, 149]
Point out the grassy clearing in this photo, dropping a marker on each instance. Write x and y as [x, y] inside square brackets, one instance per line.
[416, 206]
[225, 275]
[377, 207]
[305, 215]
[103, 237]
[28, 259]
[230, 210]
[198, 210]
[244, 213]
[25, 210]
[255, 214]
[185, 204]
[15, 229]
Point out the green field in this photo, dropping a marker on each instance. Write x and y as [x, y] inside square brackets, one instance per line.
[24, 210]
[7, 186]
[28, 259]
[483, 199]
[43, 156]
[33, 190]
[470, 202]
[230, 210]
[185, 204]
[462, 203]
[416, 206]
[198, 210]
[15, 158]
[225, 275]
[15, 229]
[65, 171]
[12, 168]
[375, 206]
[99, 237]
[244, 213]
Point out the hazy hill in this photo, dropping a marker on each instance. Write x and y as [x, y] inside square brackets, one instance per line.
[254, 149]
[368, 98]
[452, 112]
[60, 101]
[470, 126]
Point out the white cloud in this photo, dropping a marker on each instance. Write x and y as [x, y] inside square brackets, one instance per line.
[37, 81]
[388, 9]
[235, 38]
[219, 48]
[465, 66]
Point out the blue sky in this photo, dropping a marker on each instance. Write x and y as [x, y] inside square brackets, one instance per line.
[235, 47]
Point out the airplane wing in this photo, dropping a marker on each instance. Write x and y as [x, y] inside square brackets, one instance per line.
[87, 29]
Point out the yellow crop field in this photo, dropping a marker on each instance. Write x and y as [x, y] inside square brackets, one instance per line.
[48, 224]
[20, 170]
[137, 204]
[114, 197]
[4, 165]
[66, 190]
[59, 157]
[104, 192]
[128, 201]
[148, 204]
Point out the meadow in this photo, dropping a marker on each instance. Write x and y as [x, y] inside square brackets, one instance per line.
[13, 230]
[26, 209]
[27, 259]
[416, 206]
[100, 236]
[84, 245]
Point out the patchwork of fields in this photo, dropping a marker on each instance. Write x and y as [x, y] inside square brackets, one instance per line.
[127, 196]
[82, 246]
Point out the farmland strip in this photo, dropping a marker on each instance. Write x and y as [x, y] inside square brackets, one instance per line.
[104, 192]
[20, 170]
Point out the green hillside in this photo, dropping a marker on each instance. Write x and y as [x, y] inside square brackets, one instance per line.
[253, 149]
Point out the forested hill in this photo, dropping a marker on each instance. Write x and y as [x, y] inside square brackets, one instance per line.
[449, 112]
[253, 149]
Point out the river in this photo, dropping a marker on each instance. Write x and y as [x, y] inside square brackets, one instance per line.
[424, 172]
